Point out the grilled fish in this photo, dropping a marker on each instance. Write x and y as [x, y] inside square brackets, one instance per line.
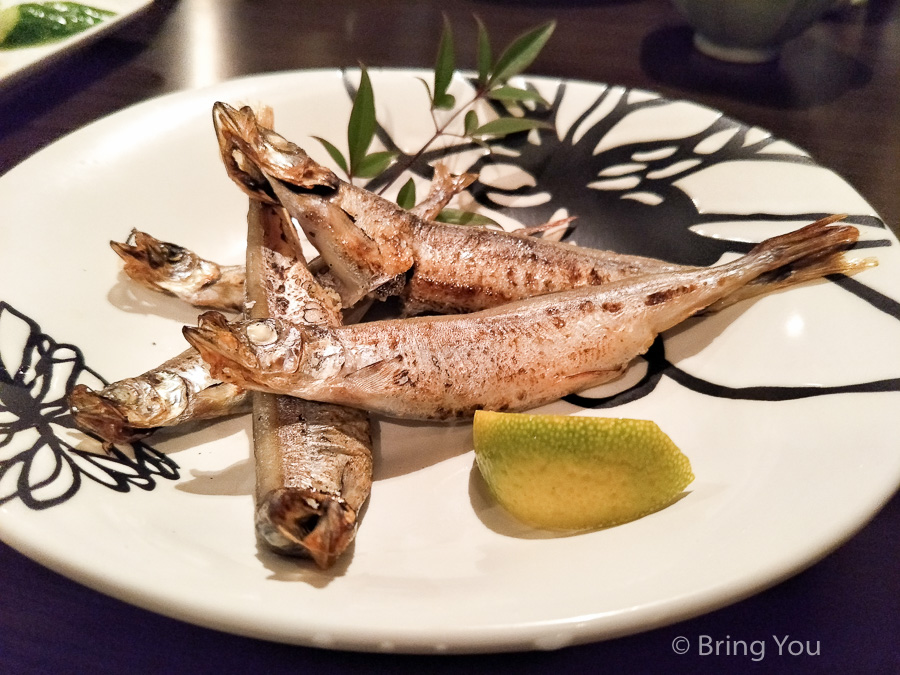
[180, 390]
[512, 357]
[173, 269]
[370, 243]
[313, 460]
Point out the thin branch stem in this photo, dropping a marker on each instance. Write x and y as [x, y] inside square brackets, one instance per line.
[439, 130]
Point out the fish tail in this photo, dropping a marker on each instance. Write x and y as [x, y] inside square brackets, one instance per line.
[813, 240]
[800, 271]
[785, 260]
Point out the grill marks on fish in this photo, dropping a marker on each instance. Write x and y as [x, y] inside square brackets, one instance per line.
[179, 390]
[512, 357]
[313, 460]
[670, 294]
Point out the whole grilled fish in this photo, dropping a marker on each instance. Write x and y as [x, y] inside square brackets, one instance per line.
[370, 243]
[313, 460]
[173, 269]
[178, 391]
[512, 357]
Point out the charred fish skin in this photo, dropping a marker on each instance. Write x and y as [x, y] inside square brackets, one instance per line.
[178, 391]
[368, 240]
[178, 271]
[313, 460]
[371, 243]
[513, 357]
[460, 269]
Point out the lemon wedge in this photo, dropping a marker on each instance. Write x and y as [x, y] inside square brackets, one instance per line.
[559, 472]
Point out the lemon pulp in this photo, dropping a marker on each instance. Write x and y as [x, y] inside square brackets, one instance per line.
[573, 473]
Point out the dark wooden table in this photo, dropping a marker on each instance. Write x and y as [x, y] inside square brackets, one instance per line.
[834, 92]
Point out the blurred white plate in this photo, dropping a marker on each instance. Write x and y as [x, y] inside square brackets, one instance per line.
[436, 566]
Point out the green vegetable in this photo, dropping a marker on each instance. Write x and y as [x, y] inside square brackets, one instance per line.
[31, 24]
[360, 134]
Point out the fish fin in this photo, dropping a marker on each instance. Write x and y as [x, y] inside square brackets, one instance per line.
[593, 378]
[553, 229]
[381, 375]
[799, 272]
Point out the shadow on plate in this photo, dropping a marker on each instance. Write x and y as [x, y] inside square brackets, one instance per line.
[402, 446]
[235, 479]
[304, 570]
[130, 297]
[809, 72]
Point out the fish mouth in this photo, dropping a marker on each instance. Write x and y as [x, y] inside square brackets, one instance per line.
[252, 151]
[143, 252]
[305, 522]
[140, 247]
[234, 129]
[222, 347]
[98, 416]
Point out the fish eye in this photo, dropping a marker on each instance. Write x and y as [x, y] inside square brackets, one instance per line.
[261, 333]
[174, 254]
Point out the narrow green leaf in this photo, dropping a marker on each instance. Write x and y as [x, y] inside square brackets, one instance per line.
[406, 198]
[445, 102]
[515, 94]
[444, 66]
[521, 53]
[509, 125]
[374, 164]
[336, 154]
[458, 217]
[483, 54]
[361, 127]
[471, 122]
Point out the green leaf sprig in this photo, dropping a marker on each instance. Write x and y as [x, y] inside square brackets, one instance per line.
[360, 132]
[492, 82]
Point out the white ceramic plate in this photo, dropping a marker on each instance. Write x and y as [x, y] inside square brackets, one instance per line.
[15, 63]
[785, 406]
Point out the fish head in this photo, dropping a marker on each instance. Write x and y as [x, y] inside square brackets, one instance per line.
[257, 352]
[157, 263]
[306, 522]
[251, 150]
[101, 417]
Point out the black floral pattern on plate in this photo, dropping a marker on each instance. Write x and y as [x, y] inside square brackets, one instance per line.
[44, 459]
